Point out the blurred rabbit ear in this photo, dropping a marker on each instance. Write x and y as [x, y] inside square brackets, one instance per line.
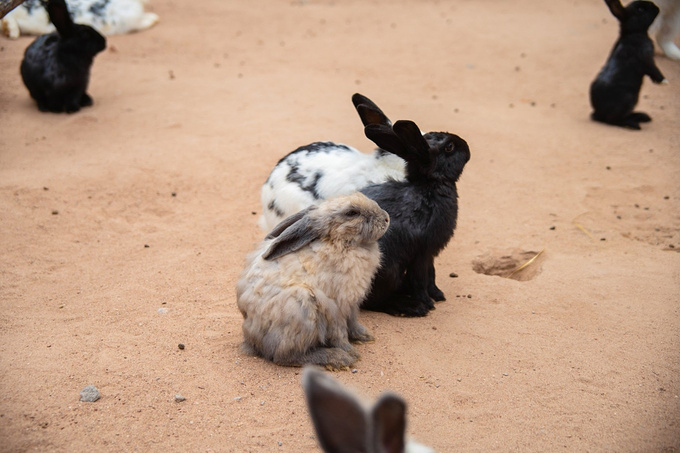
[339, 419]
[295, 232]
[616, 8]
[389, 424]
[60, 17]
[368, 111]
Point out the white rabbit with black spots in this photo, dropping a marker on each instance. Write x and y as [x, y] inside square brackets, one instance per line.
[108, 17]
[322, 170]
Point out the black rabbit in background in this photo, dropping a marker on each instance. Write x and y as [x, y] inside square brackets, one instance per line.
[56, 66]
[615, 92]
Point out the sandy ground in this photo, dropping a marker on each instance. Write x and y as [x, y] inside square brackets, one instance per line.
[149, 200]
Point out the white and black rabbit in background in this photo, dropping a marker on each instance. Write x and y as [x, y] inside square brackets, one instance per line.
[343, 424]
[423, 212]
[321, 170]
[666, 27]
[614, 93]
[108, 17]
[56, 67]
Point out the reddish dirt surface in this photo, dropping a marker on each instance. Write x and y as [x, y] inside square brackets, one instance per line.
[583, 354]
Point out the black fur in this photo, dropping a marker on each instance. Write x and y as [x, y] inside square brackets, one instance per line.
[615, 92]
[56, 66]
[423, 212]
[298, 178]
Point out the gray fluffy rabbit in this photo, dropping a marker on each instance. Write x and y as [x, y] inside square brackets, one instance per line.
[301, 288]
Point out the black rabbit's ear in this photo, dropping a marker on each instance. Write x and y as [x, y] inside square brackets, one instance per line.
[385, 138]
[368, 111]
[339, 420]
[616, 8]
[60, 17]
[369, 115]
[299, 232]
[409, 133]
[389, 424]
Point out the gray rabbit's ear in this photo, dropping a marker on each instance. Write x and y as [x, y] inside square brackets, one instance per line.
[288, 221]
[291, 235]
[389, 424]
[368, 111]
[616, 8]
[59, 16]
[339, 419]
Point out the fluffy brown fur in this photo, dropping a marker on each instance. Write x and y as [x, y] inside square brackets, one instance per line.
[300, 290]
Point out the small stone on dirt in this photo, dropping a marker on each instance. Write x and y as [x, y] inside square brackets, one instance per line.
[453, 275]
[89, 394]
[55, 212]
[179, 398]
[181, 345]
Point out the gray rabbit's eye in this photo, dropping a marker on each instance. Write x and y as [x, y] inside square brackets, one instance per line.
[352, 213]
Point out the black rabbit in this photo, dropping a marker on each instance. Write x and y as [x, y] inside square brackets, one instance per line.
[423, 212]
[56, 66]
[615, 91]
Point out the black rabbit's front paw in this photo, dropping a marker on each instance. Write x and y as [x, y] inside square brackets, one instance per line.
[435, 293]
[403, 305]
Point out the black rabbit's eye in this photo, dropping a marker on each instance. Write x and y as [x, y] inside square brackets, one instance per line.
[352, 213]
[449, 148]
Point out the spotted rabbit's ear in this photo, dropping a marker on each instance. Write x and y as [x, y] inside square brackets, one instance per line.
[60, 17]
[369, 112]
[616, 8]
[340, 421]
[291, 235]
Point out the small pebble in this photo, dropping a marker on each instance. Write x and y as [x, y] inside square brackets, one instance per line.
[237, 398]
[46, 188]
[469, 296]
[603, 239]
[608, 167]
[55, 212]
[174, 194]
[253, 212]
[261, 403]
[146, 246]
[280, 443]
[666, 197]
[354, 370]
[552, 227]
[163, 311]
[453, 275]
[89, 394]
[181, 345]
[179, 398]
[671, 246]
[505, 374]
